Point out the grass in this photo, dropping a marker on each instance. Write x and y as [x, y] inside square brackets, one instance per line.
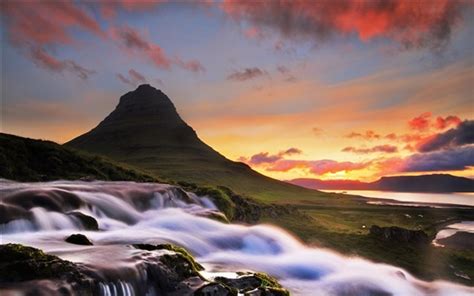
[24, 159]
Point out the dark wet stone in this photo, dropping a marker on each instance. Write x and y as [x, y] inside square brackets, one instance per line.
[215, 289]
[78, 239]
[243, 283]
[88, 222]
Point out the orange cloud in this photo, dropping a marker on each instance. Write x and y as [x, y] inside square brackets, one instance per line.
[442, 123]
[421, 122]
[367, 135]
[316, 167]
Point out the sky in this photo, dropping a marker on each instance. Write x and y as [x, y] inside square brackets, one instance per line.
[296, 89]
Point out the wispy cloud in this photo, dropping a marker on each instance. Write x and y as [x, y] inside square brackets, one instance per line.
[134, 78]
[246, 74]
[137, 44]
[375, 149]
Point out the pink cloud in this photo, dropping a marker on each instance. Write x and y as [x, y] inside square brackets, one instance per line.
[33, 26]
[46, 22]
[410, 23]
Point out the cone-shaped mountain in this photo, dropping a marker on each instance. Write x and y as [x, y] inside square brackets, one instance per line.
[146, 131]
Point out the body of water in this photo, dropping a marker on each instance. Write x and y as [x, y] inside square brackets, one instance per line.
[461, 198]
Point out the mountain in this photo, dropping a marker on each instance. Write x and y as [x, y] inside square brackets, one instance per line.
[24, 159]
[423, 183]
[146, 131]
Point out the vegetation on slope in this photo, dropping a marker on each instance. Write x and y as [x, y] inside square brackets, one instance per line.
[24, 159]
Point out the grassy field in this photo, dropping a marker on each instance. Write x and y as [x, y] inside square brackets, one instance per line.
[346, 228]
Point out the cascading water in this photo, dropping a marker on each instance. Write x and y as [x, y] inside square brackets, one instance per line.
[39, 215]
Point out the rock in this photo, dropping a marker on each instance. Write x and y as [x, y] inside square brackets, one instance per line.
[254, 284]
[399, 235]
[78, 239]
[88, 222]
[243, 283]
[169, 270]
[20, 263]
[215, 289]
[174, 248]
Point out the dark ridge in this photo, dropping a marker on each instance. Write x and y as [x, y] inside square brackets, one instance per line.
[423, 183]
[23, 159]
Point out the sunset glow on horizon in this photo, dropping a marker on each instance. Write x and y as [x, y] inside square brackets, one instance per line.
[295, 89]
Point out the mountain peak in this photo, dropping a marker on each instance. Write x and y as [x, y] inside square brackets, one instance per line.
[145, 94]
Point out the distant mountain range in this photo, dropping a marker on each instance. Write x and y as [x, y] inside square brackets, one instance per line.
[423, 183]
[146, 131]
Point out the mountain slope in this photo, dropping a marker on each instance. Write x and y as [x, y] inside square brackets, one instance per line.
[423, 183]
[146, 131]
[24, 159]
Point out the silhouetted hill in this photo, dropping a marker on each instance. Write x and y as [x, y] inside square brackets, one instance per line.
[146, 131]
[24, 159]
[423, 183]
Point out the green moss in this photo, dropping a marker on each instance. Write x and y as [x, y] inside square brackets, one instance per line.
[267, 280]
[181, 259]
[218, 196]
[184, 253]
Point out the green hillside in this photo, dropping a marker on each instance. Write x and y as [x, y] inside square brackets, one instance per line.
[146, 131]
[24, 159]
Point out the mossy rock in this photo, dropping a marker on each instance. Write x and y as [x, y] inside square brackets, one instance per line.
[178, 250]
[20, 263]
[267, 280]
[220, 198]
